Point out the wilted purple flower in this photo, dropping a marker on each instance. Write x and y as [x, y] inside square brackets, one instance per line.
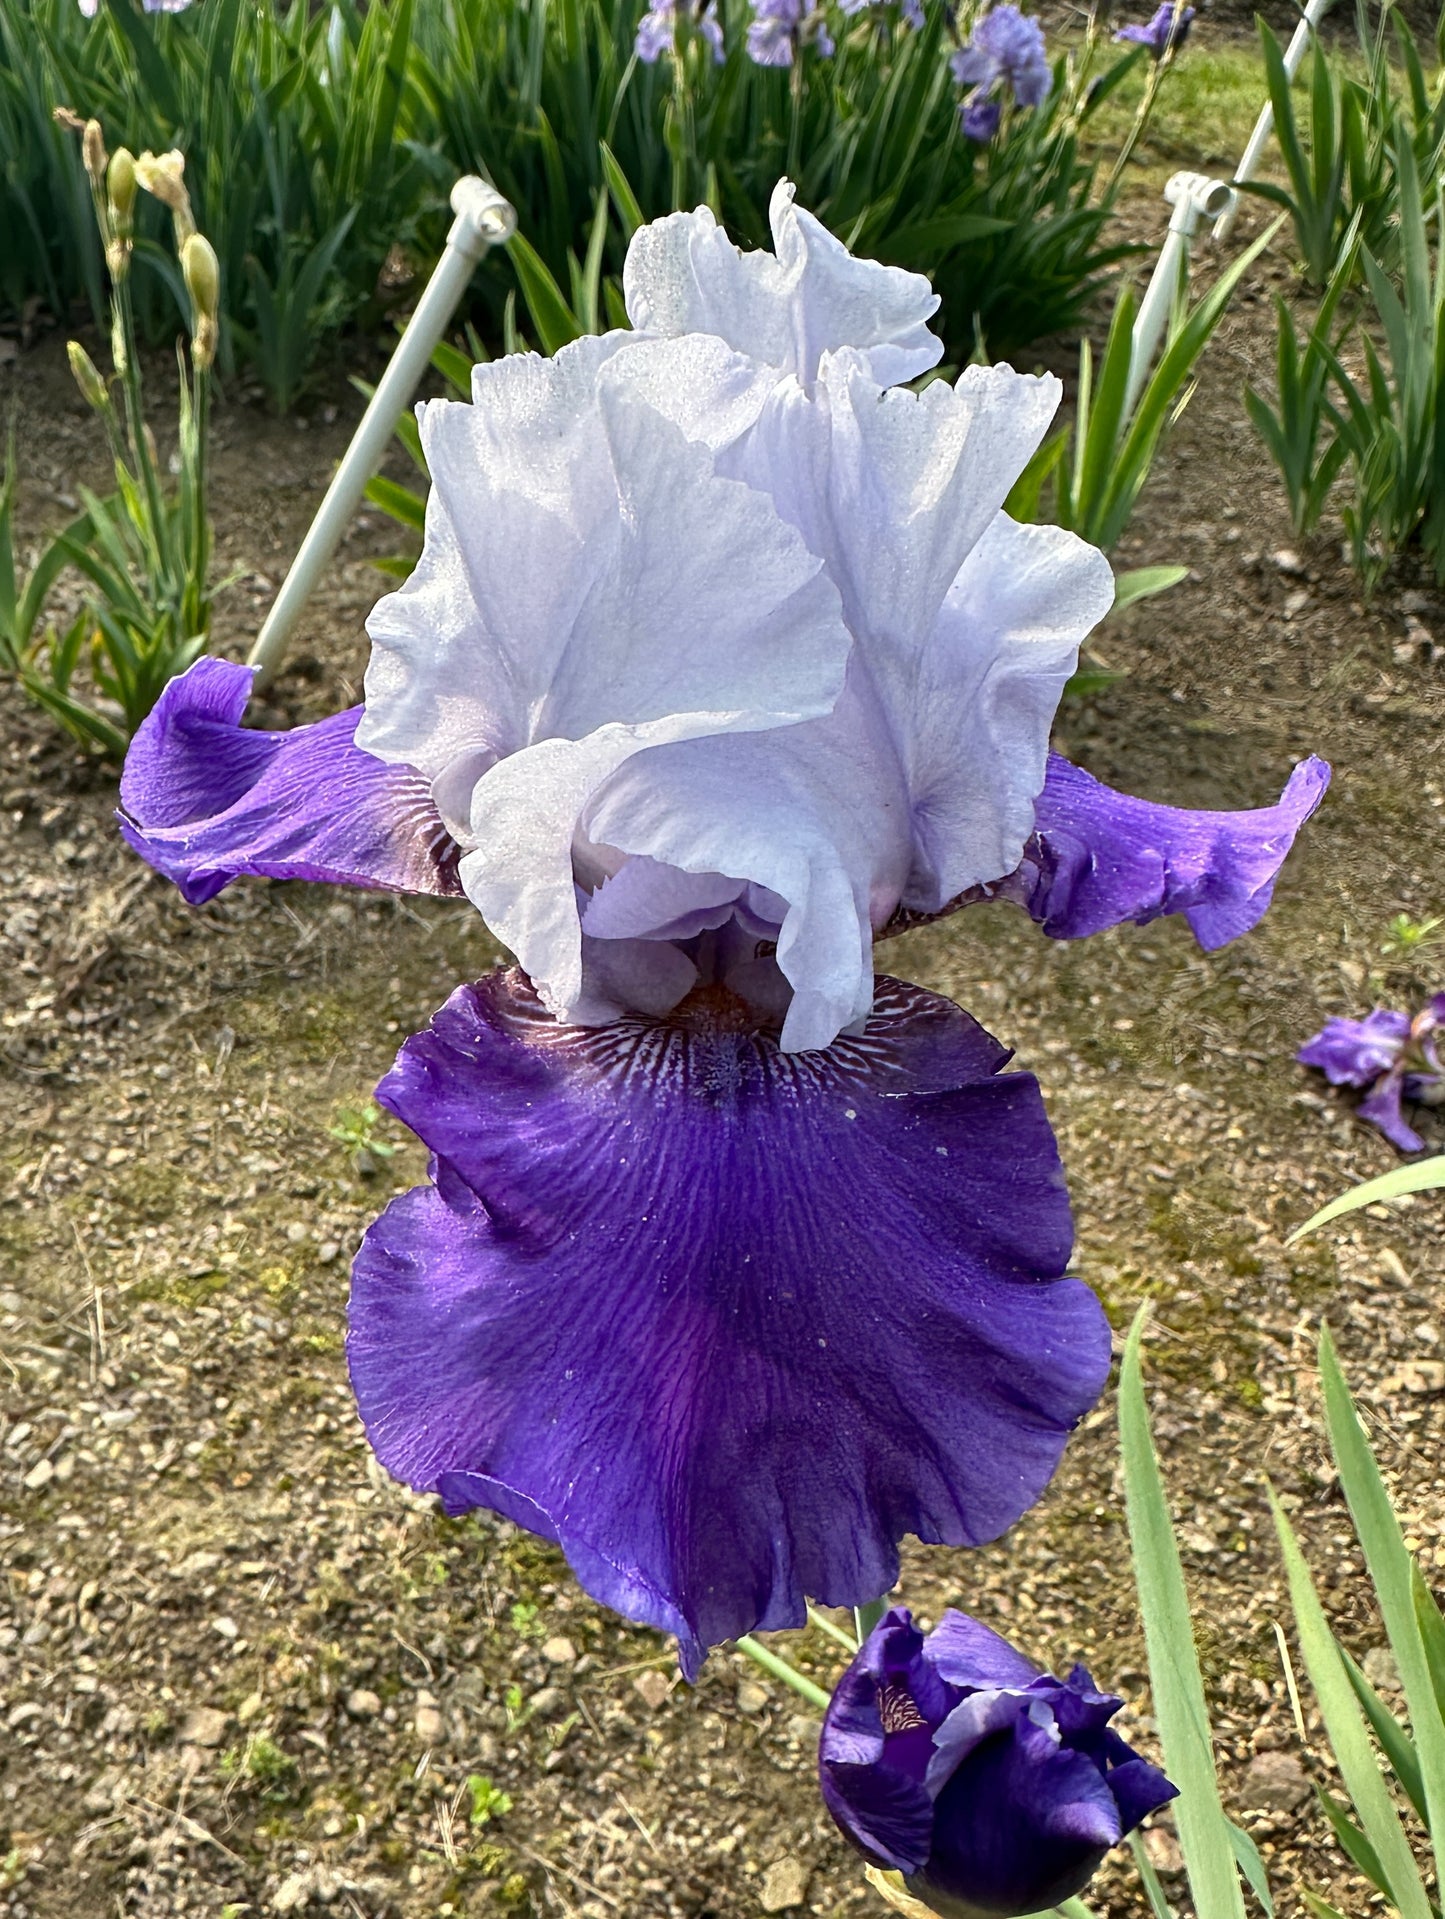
[1168, 28]
[1395, 1056]
[721, 658]
[994, 1789]
[980, 119]
[1006, 46]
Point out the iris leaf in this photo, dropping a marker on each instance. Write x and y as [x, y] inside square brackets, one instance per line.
[1204, 1832]
[1420, 1176]
[1345, 1730]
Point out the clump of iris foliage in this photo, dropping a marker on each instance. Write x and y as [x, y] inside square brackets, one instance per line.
[317, 139]
[1356, 409]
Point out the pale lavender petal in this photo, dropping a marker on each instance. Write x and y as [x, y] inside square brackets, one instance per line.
[787, 308]
[1382, 1108]
[205, 799]
[1098, 858]
[655, 1295]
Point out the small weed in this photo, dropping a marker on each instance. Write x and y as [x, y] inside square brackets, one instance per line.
[518, 1712]
[260, 1760]
[525, 1623]
[486, 1801]
[1406, 938]
[355, 1127]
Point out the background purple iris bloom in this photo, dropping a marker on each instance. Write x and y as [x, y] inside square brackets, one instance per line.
[1396, 1057]
[1007, 45]
[990, 1786]
[1168, 28]
[773, 32]
[657, 30]
[980, 119]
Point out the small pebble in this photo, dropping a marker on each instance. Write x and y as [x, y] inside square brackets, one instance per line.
[559, 1652]
[752, 1698]
[652, 1688]
[40, 1475]
[785, 1885]
[1274, 1782]
[362, 1704]
[205, 1726]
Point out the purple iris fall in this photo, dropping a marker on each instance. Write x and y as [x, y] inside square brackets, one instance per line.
[1395, 1057]
[994, 1789]
[1168, 27]
[1009, 47]
[720, 659]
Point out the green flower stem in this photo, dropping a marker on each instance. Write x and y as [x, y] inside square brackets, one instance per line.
[825, 1625]
[771, 1662]
[865, 1618]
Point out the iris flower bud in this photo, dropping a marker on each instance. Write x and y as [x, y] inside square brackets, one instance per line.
[994, 1789]
[87, 375]
[121, 184]
[202, 273]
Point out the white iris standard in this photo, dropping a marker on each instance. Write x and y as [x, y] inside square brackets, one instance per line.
[721, 647]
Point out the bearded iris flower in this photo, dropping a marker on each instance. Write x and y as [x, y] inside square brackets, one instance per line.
[1007, 48]
[995, 1789]
[657, 29]
[1392, 1055]
[720, 660]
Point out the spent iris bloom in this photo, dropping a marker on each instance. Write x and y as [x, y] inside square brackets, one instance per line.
[994, 1789]
[1007, 46]
[720, 660]
[1169, 27]
[1395, 1057]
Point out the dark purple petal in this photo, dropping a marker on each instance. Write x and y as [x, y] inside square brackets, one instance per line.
[1381, 1108]
[1022, 1825]
[886, 1814]
[1354, 1052]
[965, 1652]
[205, 799]
[980, 120]
[735, 1320]
[1097, 858]
[1138, 1790]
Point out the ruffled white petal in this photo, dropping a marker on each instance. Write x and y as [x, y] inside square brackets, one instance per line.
[978, 714]
[786, 308]
[705, 615]
[817, 815]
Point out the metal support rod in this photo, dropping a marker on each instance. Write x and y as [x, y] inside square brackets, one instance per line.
[1264, 125]
[484, 219]
[1194, 197]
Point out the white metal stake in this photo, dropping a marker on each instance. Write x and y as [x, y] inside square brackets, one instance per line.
[1194, 197]
[1264, 125]
[484, 219]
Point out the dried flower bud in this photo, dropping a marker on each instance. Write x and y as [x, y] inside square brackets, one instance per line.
[66, 117]
[163, 174]
[121, 183]
[120, 359]
[92, 148]
[87, 375]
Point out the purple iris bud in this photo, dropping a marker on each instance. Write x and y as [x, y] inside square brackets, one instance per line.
[823, 40]
[980, 119]
[773, 32]
[1395, 1057]
[912, 13]
[994, 1789]
[1006, 45]
[1168, 28]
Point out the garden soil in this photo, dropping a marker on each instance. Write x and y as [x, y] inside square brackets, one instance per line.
[243, 1672]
